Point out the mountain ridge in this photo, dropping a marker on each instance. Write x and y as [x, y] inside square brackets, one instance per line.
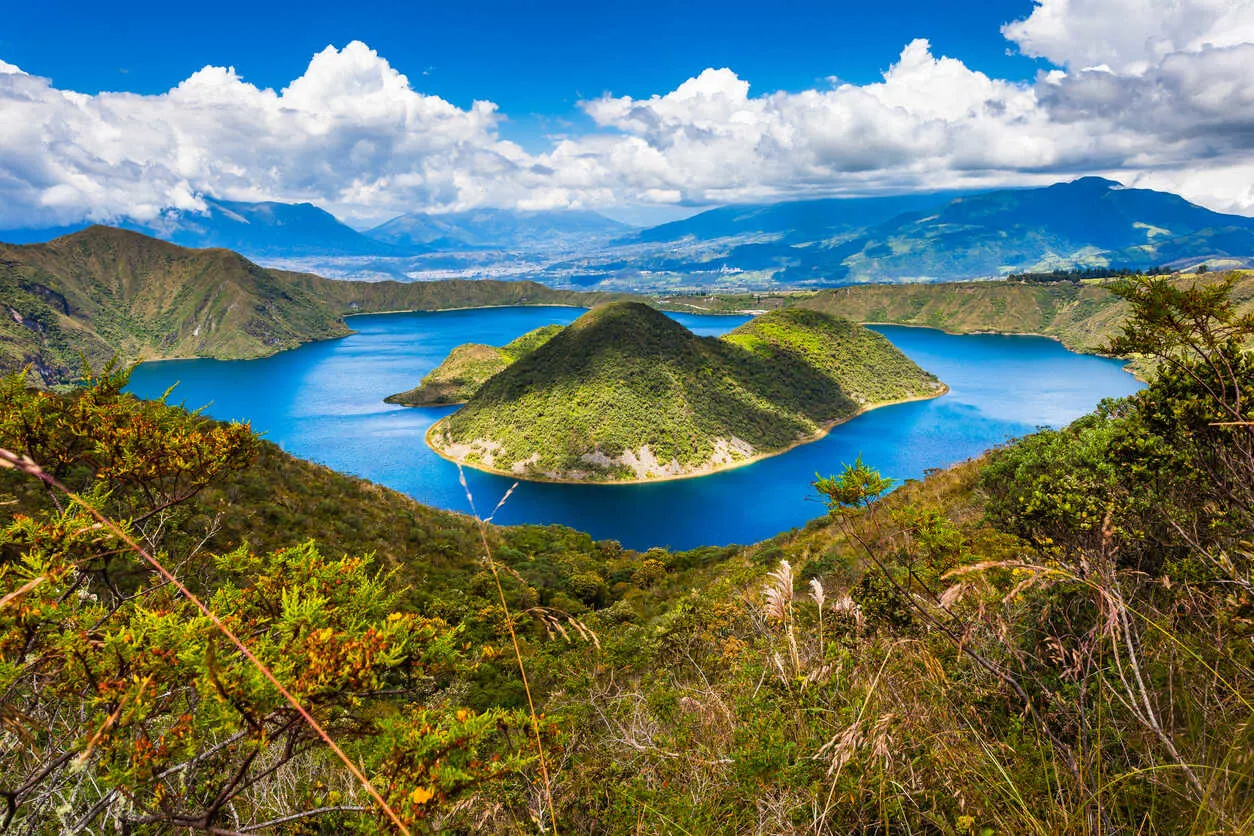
[490, 228]
[105, 292]
[1088, 222]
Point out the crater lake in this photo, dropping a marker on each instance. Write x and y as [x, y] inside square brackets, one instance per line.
[324, 402]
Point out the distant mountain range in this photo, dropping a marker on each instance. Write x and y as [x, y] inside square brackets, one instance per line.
[799, 220]
[1087, 222]
[1090, 222]
[275, 229]
[294, 230]
[259, 229]
[496, 229]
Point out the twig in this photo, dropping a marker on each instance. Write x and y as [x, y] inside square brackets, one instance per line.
[509, 624]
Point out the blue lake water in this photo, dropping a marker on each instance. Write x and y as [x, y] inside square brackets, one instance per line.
[324, 402]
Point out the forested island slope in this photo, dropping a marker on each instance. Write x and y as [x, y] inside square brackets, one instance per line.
[1082, 315]
[627, 394]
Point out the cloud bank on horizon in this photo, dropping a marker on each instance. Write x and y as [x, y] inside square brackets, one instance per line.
[1157, 93]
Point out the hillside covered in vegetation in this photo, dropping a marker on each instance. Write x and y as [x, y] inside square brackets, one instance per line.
[1084, 316]
[1056, 638]
[467, 367]
[104, 293]
[627, 394]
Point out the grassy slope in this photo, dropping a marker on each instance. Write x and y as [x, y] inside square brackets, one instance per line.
[467, 367]
[624, 376]
[1082, 316]
[104, 292]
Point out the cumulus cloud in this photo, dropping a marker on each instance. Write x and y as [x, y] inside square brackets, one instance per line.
[350, 133]
[1172, 80]
[931, 122]
[1129, 36]
[1155, 92]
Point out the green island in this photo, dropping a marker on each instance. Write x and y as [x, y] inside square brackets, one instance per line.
[467, 367]
[627, 394]
[1055, 637]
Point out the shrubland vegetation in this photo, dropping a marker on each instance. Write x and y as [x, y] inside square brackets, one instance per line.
[1057, 638]
[122, 705]
[1079, 274]
[467, 367]
[624, 377]
[1084, 317]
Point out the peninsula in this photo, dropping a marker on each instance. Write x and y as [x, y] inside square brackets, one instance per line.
[468, 367]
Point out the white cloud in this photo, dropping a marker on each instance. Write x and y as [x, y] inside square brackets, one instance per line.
[930, 123]
[1155, 92]
[1129, 36]
[350, 134]
[1171, 80]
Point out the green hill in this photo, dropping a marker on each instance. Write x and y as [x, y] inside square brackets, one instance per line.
[104, 292]
[627, 394]
[467, 367]
[1082, 316]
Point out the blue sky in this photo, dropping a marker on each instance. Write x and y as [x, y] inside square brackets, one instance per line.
[528, 57]
[650, 105]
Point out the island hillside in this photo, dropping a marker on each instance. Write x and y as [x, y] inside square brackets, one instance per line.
[1082, 315]
[625, 393]
[466, 368]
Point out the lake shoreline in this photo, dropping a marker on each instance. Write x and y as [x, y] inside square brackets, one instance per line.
[323, 403]
[1127, 363]
[823, 432]
[693, 309]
